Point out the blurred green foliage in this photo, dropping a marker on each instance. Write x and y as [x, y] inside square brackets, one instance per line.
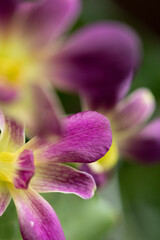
[140, 193]
[83, 219]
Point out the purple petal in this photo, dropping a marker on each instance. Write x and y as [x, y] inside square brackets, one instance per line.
[46, 19]
[145, 146]
[12, 134]
[24, 170]
[37, 219]
[55, 177]
[46, 108]
[7, 9]
[86, 138]
[7, 94]
[5, 197]
[98, 62]
[133, 111]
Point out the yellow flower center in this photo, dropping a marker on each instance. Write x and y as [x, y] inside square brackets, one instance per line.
[7, 166]
[17, 64]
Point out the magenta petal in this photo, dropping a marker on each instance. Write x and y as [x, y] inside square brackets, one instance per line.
[37, 219]
[5, 197]
[7, 94]
[48, 18]
[54, 177]
[145, 146]
[99, 62]
[133, 111]
[25, 169]
[86, 138]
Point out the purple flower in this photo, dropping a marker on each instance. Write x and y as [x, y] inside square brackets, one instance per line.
[40, 166]
[132, 137]
[102, 60]
[34, 54]
[101, 63]
[30, 36]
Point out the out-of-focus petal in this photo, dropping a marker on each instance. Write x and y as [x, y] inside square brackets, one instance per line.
[99, 177]
[55, 177]
[86, 137]
[99, 62]
[36, 217]
[39, 108]
[24, 169]
[45, 113]
[145, 146]
[7, 9]
[7, 94]
[4, 197]
[133, 111]
[12, 134]
[22, 109]
[43, 20]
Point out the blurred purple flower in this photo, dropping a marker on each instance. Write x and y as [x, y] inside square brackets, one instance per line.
[99, 62]
[29, 36]
[34, 53]
[38, 166]
[132, 137]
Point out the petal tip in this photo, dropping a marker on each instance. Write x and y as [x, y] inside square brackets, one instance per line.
[148, 97]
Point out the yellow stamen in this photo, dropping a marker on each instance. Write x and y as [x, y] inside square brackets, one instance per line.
[7, 167]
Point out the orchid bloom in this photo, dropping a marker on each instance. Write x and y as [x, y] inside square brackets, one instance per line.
[40, 166]
[29, 38]
[132, 137]
[105, 59]
[34, 54]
